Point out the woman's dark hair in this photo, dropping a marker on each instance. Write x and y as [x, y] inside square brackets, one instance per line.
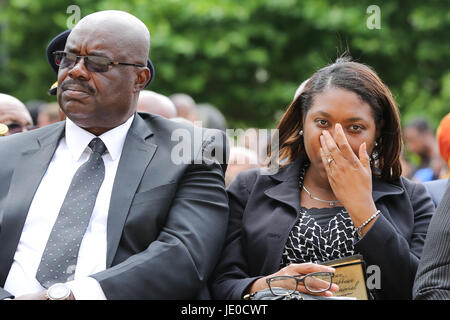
[362, 80]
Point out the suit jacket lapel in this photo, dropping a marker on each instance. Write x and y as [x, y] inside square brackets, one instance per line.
[286, 187]
[25, 180]
[136, 155]
[381, 189]
[285, 191]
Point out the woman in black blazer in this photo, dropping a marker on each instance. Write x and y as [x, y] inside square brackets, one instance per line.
[337, 192]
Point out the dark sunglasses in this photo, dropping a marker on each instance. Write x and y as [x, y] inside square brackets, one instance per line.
[93, 63]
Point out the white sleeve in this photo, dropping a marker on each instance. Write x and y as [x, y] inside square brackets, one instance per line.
[86, 289]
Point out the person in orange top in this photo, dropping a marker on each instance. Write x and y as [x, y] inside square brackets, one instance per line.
[443, 138]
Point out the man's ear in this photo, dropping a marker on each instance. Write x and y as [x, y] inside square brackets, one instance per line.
[143, 77]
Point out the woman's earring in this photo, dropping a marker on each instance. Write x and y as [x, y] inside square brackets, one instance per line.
[300, 132]
[376, 144]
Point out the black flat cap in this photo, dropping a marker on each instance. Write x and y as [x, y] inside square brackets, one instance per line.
[59, 42]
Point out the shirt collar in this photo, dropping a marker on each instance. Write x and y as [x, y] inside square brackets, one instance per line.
[77, 138]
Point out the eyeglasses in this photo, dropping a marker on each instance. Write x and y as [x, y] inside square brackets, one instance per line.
[315, 282]
[15, 127]
[93, 63]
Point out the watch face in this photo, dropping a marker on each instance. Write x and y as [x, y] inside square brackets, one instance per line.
[58, 291]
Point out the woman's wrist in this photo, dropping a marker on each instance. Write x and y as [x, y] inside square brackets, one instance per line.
[366, 225]
[360, 213]
[258, 285]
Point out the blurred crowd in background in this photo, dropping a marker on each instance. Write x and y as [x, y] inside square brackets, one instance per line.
[426, 155]
[245, 59]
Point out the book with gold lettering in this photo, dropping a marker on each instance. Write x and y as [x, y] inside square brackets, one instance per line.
[350, 276]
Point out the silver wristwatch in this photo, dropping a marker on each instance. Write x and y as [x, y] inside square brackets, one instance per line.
[59, 291]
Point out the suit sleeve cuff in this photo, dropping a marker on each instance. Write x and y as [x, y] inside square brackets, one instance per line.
[242, 287]
[380, 235]
[5, 295]
[86, 289]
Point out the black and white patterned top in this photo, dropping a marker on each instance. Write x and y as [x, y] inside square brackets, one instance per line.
[319, 235]
[311, 241]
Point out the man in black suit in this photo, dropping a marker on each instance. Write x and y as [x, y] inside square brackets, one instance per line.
[433, 275]
[157, 220]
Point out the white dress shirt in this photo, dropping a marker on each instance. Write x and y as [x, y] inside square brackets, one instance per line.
[70, 154]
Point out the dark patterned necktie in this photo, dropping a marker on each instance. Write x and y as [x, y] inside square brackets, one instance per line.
[60, 256]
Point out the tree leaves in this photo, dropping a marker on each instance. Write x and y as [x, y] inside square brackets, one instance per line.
[247, 57]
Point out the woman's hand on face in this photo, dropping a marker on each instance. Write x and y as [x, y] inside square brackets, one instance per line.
[349, 175]
[295, 269]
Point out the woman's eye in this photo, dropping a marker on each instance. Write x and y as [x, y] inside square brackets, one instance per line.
[356, 127]
[322, 122]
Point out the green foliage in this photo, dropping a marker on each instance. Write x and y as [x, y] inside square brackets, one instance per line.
[247, 57]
